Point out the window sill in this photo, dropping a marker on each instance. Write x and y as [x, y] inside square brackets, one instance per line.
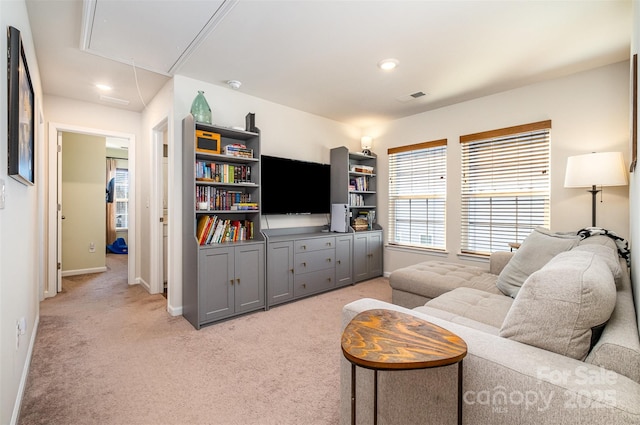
[416, 249]
[473, 257]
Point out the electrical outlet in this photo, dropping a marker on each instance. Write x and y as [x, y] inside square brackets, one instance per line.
[21, 329]
[92, 247]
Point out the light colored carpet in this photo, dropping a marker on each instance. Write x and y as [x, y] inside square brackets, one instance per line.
[109, 353]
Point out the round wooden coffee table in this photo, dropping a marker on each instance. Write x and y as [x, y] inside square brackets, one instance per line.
[390, 340]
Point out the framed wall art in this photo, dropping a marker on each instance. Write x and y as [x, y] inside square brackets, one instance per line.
[20, 107]
[634, 118]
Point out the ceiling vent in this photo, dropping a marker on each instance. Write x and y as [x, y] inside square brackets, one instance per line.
[115, 100]
[411, 97]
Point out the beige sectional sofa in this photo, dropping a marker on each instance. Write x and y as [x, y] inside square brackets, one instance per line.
[563, 349]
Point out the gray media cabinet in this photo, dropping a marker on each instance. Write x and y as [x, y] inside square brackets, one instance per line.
[307, 260]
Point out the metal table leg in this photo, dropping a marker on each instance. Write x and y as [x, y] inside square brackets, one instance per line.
[460, 392]
[375, 397]
[353, 394]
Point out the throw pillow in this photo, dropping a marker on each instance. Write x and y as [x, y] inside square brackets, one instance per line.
[610, 257]
[558, 305]
[536, 250]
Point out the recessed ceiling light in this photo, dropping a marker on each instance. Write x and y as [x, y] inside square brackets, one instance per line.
[103, 87]
[388, 64]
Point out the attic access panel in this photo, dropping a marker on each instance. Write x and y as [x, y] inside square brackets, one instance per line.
[153, 35]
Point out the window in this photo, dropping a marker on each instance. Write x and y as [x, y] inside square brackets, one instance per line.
[417, 194]
[505, 186]
[122, 198]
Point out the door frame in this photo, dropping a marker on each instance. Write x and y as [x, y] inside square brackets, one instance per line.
[157, 281]
[53, 282]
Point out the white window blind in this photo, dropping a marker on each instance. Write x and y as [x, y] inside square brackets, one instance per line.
[505, 186]
[121, 198]
[417, 194]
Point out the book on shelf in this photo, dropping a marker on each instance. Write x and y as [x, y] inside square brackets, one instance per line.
[223, 199]
[207, 223]
[356, 200]
[360, 183]
[222, 173]
[239, 150]
[213, 230]
[357, 168]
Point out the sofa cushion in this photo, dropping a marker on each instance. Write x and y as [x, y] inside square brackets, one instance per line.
[559, 304]
[431, 279]
[458, 320]
[618, 349]
[607, 254]
[474, 304]
[536, 251]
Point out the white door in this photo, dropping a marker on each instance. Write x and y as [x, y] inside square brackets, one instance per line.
[60, 214]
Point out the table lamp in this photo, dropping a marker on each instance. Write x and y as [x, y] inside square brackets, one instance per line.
[595, 169]
[366, 142]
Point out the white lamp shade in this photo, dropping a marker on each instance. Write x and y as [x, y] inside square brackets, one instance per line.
[366, 142]
[596, 169]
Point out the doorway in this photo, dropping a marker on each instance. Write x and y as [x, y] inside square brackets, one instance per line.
[55, 206]
[160, 281]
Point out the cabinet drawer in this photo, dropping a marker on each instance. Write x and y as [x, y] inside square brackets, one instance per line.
[313, 282]
[315, 244]
[313, 261]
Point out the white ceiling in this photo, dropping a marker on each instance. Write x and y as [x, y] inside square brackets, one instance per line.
[320, 56]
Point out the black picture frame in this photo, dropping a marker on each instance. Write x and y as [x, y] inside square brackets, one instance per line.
[634, 118]
[20, 106]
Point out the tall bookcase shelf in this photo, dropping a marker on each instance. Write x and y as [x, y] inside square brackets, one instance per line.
[353, 182]
[223, 258]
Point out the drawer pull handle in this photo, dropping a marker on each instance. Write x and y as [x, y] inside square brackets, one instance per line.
[339, 262]
[329, 260]
[304, 285]
[328, 243]
[329, 279]
[304, 264]
[238, 281]
[291, 270]
[231, 282]
[303, 247]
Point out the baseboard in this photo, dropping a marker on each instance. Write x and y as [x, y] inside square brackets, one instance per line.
[84, 271]
[25, 373]
[144, 284]
[174, 311]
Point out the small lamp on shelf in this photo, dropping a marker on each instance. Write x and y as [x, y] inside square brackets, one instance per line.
[366, 142]
[595, 169]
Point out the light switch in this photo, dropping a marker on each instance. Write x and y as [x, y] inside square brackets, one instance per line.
[2, 194]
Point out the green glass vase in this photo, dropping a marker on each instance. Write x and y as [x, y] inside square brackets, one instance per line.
[200, 109]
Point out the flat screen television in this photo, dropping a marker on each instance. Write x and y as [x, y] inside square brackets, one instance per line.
[291, 186]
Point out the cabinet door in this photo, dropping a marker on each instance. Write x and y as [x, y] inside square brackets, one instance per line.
[343, 260]
[249, 277]
[216, 284]
[360, 257]
[280, 272]
[374, 247]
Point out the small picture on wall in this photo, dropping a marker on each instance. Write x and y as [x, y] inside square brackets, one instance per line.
[21, 100]
[634, 124]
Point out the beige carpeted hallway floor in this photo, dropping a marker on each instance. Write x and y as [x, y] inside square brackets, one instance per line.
[108, 353]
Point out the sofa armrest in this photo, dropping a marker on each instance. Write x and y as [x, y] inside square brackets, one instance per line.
[504, 382]
[498, 260]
